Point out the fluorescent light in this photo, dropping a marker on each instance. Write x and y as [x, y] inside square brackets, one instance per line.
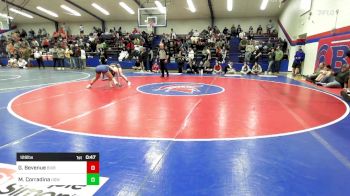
[99, 8]
[70, 10]
[264, 4]
[20, 12]
[229, 5]
[160, 7]
[6, 16]
[126, 7]
[51, 13]
[191, 6]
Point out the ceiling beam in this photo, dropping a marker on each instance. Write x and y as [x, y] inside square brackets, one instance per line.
[32, 12]
[138, 3]
[212, 17]
[85, 10]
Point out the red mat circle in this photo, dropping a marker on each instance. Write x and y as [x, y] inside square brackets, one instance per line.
[246, 109]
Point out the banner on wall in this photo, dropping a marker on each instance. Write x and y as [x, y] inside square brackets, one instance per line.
[333, 50]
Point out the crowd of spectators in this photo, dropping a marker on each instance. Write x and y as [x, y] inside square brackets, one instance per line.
[190, 51]
[67, 50]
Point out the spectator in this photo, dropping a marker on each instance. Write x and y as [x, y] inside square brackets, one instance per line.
[256, 54]
[284, 45]
[248, 51]
[324, 73]
[144, 60]
[196, 33]
[38, 55]
[217, 68]
[218, 53]
[251, 30]
[22, 63]
[40, 33]
[269, 27]
[151, 57]
[45, 43]
[229, 69]
[76, 57]
[208, 53]
[44, 32]
[155, 67]
[256, 69]
[180, 60]
[233, 31]
[259, 30]
[26, 53]
[241, 35]
[245, 69]
[23, 34]
[81, 30]
[207, 68]
[123, 55]
[130, 47]
[225, 31]
[239, 29]
[83, 58]
[54, 51]
[67, 54]
[278, 58]
[60, 57]
[312, 77]
[337, 80]
[346, 91]
[191, 57]
[172, 34]
[12, 62]
[31, 33]
[35, 43]
[224, 54]
[243, 43]
[298, 60]
[135, 31]
[271, 55]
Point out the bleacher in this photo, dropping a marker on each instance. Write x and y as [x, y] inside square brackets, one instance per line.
[237, 55]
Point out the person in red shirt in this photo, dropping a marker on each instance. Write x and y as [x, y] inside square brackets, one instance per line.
[217, 68]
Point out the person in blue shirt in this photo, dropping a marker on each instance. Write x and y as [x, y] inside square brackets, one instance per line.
[298, 60]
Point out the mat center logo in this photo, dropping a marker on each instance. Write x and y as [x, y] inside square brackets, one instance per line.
[180, 89]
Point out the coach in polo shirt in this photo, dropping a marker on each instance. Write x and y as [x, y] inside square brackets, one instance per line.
[163, 59]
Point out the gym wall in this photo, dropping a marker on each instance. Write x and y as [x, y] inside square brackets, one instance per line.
[323, 19]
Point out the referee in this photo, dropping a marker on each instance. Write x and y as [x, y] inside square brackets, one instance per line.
[163, 59]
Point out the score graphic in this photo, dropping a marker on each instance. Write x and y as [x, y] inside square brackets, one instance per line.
[58, 168]
[93, 170]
